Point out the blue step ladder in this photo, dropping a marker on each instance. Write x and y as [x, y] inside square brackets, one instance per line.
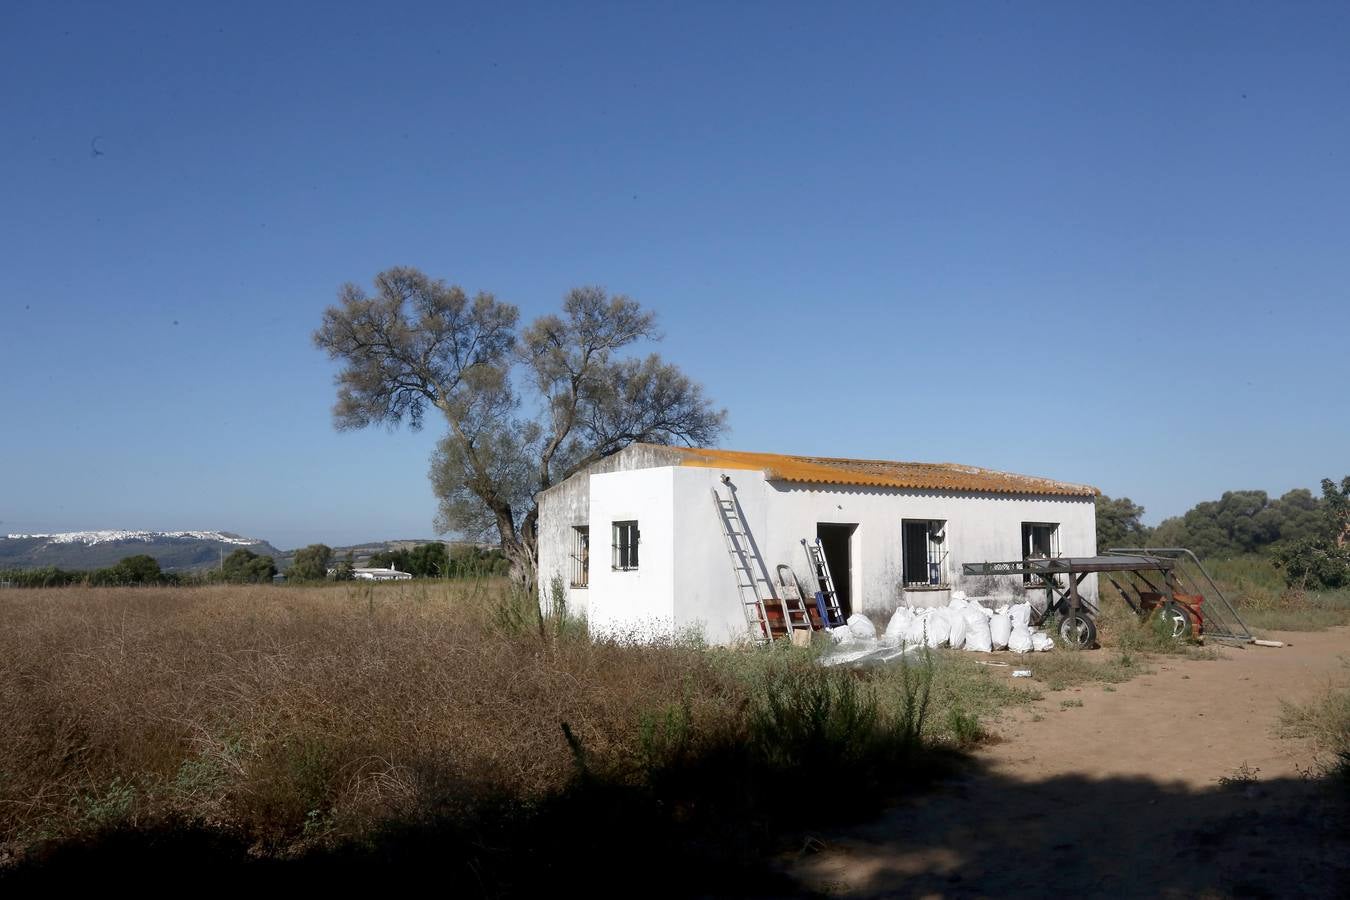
[827, 598]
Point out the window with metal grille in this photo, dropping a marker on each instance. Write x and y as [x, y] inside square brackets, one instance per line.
[1040, 540]
[924, 556]
[626, 539]
[581, 556]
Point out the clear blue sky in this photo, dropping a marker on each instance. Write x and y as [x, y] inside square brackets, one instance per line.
[1103, 243]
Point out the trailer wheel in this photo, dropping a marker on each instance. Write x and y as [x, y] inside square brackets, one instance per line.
[1078, 631]
[1177, 619]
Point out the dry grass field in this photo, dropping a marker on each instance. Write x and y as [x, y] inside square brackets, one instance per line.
[300, 712]
[303, 724]
[350, 730]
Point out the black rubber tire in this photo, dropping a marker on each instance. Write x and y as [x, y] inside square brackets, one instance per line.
[1079, 632]
[1180, 619]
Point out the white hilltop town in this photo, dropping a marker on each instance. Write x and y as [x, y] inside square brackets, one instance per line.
[107, 537]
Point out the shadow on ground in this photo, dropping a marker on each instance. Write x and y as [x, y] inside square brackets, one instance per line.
[973, 835]
[983, 835]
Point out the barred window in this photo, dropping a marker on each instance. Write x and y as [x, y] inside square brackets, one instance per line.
[626, 541]
[1040, 540]
[581, 556]
[924, 556]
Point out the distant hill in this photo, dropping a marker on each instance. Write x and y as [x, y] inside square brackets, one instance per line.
[81, 550]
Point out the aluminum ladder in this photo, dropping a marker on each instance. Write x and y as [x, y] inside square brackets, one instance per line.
[753, 588]
[827, 599]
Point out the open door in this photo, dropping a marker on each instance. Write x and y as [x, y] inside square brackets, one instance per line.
[836, 541]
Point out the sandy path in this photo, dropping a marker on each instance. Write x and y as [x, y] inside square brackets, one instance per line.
[1121, 796]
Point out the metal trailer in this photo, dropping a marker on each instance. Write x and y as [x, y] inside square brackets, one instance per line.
[1190, 586]
[1166, 581]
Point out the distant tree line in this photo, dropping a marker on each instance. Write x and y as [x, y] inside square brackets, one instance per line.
[240, 567]
[313, 563]
[432, 561]
[1307, 537]
[132, 570]
[316, 563]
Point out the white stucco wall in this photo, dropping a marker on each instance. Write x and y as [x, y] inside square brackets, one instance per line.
[641, 603]
[560, 509]
[567, 505]
[779, 515]
[685, 578]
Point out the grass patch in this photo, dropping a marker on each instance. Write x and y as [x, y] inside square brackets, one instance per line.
[1263, 600]
[368, 724]
[1326, 723]
[1298, 611]
[1243, 776]
[963, 686]
[1059, 670]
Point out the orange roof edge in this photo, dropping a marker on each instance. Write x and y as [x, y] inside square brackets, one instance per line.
[879, 472]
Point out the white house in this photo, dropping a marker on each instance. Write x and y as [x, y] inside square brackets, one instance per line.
[637, 544]
[364, 573]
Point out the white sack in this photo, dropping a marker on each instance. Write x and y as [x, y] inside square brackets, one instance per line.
[862, 627]
[841, 635]
[939, 629]
[956, 621]
[1021, 614]
[1019, 640]
[957, 602]
[916, 632]
[1000, 629]
[895, 628]
[1040, 642]
[977, 631]
[958, 595]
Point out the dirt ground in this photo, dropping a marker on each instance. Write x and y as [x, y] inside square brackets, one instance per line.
[1173, 784]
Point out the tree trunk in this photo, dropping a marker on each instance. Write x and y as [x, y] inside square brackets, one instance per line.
[524, 562]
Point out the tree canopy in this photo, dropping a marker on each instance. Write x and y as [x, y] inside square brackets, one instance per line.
[1306, 536]
[245, 566]
[524, 409]
[1321, 559]
[311, 563]
[1241, 522]
[1119, 523]
[138, 569]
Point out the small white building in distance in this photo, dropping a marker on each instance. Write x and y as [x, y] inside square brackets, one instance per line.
[362, 573]
[636, 540]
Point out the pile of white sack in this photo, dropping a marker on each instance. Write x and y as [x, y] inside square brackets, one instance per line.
[961, 624]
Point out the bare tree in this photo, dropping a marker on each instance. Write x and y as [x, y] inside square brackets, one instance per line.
[420, 343]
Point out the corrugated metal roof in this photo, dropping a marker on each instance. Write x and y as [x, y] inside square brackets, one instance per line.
[879, 473]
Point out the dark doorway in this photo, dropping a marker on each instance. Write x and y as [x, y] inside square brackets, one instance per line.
[835, 541]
